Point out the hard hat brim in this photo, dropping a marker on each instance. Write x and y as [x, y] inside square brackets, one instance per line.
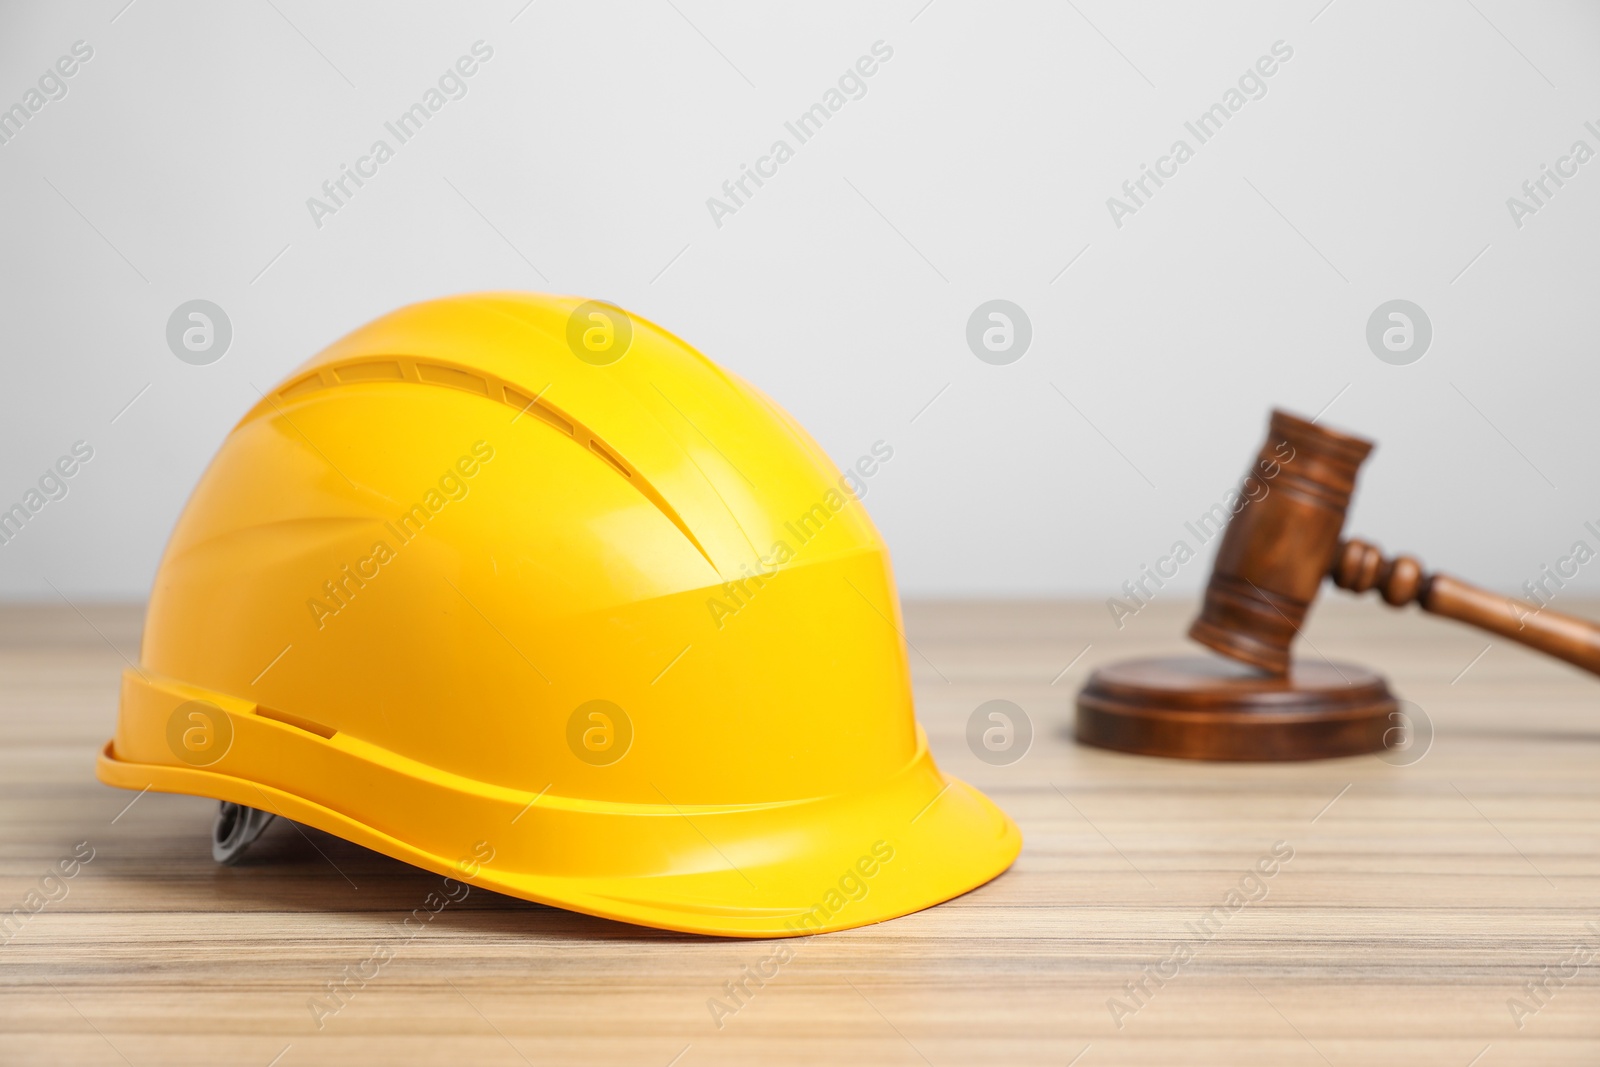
[759, 871]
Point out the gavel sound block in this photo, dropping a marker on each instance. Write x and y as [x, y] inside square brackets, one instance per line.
[1259, 704]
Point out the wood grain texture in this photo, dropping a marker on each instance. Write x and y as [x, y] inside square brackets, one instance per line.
[1418, 900]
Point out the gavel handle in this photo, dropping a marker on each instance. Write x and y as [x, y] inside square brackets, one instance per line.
[1359, 566]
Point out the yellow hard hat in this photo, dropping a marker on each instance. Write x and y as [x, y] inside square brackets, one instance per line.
[527, 592]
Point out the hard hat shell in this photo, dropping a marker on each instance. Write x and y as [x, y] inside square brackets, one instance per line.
[578, 617]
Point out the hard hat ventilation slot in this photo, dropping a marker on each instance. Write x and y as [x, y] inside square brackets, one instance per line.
[296, 721]
[381, 371]
[553, 419]
[543, 411]
[309, 384]
[378, 369]
[609, 458]
[459, 379]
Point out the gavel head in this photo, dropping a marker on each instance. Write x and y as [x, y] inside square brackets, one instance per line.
[1280, 543]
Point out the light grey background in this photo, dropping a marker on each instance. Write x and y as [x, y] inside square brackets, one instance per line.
[976, 167]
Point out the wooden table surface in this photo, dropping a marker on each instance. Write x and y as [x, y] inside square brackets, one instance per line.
[1419, 900]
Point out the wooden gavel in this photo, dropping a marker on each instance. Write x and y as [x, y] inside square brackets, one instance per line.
[1286, 539]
